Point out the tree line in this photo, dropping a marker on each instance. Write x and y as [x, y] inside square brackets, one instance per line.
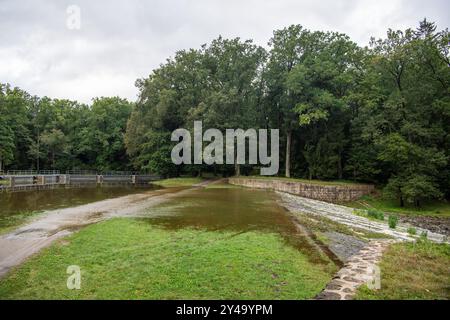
[43, 133]
[378, 114]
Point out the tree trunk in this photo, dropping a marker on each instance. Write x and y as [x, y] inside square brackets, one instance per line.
[1, 164]
[38, 151]
[417, 203]
[237, 169]
[402, 203]
[340, 167]
[288, 153]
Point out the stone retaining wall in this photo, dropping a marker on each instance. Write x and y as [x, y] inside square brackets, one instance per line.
[328, 193]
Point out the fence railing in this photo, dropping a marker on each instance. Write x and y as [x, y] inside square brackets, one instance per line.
[21, 180]
[30, 172]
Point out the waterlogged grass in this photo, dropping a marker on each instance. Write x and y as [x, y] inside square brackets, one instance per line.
[432, 208]
[319, 182]
[413, 271]
[222, 185]
[132, 259]
[11, 222]
[179, 182]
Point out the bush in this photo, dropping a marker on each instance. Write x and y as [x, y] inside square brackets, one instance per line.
[375, 214]
[412, 231]
[393, 221]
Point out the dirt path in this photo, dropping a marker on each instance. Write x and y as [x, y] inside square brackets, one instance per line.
[17, 246]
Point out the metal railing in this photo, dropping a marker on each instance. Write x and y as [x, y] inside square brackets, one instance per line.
[30, 179]
[30, 172]
[82, 172]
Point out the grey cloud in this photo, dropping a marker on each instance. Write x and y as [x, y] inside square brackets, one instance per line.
[120, 41]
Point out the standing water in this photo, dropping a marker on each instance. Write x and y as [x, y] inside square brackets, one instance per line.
[229, 208]
[16, 207]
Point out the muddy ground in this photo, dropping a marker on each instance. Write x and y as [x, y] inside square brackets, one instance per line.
[434, 224]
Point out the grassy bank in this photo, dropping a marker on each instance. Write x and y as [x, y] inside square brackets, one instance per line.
[413, 271]
[179, 182]
[131, 259]
[431, 208]
[319, 182]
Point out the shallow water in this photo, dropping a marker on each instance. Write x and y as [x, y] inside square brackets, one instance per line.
[215, 208]
[15, 206]
[232, 209]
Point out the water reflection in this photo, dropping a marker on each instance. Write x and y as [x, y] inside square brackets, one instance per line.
[19, 203]
[234, 209]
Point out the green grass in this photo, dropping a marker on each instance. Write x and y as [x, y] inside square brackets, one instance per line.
[319, 182]
[433, 208]
[413, 271]
[131, 259]
[221, 185]
[179, 182]
[412, 231]
[371, 214]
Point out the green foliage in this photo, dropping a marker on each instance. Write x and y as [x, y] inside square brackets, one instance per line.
[375, 214]
[412, 231]
[216, 84]
[393, 220]
[424, 235]
[44, 133]
[378, 201]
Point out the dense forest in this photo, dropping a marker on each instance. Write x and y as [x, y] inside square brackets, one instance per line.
[51, 134]
[378, 114]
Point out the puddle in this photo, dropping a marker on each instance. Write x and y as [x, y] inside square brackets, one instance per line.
[238, 210]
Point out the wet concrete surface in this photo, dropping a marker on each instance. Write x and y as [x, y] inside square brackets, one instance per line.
[345, 215]
[344, 246]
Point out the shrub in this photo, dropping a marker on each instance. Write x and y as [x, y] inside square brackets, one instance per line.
[360, 212]
[412, 231]
[375, 214]
[393, 221]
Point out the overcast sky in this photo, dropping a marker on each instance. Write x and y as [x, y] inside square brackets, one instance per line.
[120, 41]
